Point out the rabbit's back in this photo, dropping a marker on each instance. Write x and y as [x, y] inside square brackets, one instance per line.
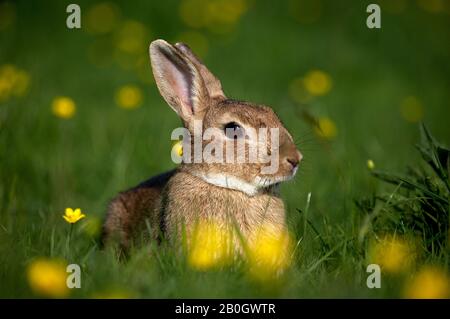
[128, 211]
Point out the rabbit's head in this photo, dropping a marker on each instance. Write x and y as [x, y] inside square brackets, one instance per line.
[232, 144]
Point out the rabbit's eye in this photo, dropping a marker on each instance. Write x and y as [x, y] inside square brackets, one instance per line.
[233, 130]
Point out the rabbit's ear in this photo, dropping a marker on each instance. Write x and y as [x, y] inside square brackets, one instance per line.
[212, 84]
[178, 80]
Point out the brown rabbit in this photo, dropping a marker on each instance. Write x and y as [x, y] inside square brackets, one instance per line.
[232, 192]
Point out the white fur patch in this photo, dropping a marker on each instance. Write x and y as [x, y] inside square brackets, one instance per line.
[230, 182]
[262, 182]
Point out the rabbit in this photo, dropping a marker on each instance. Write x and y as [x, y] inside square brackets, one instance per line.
[228, 193]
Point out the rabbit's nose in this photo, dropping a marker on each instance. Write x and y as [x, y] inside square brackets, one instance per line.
[294, 160]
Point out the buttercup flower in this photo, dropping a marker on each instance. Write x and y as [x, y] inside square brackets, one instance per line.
[63, 107]
[317, 82]
[102, 18]
[393, 253]
[314, 83]
[432, 6]
[132, 37]
[269, 253]
[219, 16]
[72, 216]
[193, 13]
[326, 128]
[177, 149]
[5, 88]
[129, 97]
[210, 246]
[411, 109]
[429, 283]
[47, 278]
[13, 82]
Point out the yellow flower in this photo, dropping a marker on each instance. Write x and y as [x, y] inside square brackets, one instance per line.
[326, 128]
[219, 16]
[48, 278]
[432, 6]
[317, 82]
[129, 97]
[223, 15]
[394, 254]
[8, 72]
[13, 81]
[63, 107]
[5, 89]
[72, 216]
[102, 18]
[429, 283]
[177, 149]
[193, 13]
[132, 37]
[210, 246]
[269, 253]
[411, 109]
[370, 164]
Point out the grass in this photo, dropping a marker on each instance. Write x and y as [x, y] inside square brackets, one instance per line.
[48, 163]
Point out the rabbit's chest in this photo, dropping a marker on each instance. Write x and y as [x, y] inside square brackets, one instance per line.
[190, 201]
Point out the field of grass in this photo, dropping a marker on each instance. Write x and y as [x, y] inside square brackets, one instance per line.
[315, 62]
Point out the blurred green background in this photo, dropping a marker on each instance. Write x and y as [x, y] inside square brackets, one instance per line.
[81, 119]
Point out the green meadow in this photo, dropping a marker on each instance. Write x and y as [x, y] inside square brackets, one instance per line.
[81, 119]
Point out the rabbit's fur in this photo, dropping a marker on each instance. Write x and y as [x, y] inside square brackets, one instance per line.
[228, 193]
